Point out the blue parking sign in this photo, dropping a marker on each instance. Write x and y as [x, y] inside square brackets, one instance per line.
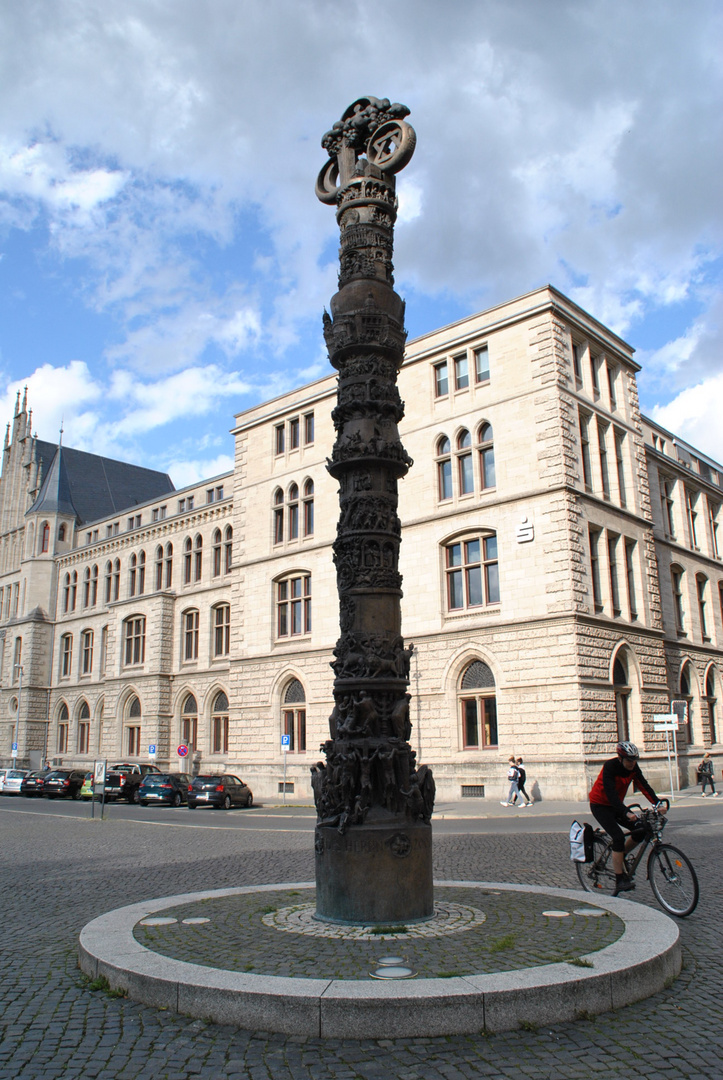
[285, 742]
[152, 748]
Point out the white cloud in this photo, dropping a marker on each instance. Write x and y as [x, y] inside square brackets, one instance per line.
[192, 392]
[185, 473]
[57, 395]
[695, 415]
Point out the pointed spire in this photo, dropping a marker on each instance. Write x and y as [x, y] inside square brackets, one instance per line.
[55, 496]
[29, 425]
[25, 399]
[7, 437]
[60, 438]
[17, 404]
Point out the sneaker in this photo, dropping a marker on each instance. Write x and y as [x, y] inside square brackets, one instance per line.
[530, 803]
[504, 804]
[703, 795]
[715, 794]
[624, 885]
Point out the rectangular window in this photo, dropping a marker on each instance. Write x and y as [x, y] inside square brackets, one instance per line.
[441, 379]
[691, 503]
[66, 655]
[154, 514]
[190, 634]
[220, 735]
[444, 472]
[602, 434]
[189, 732]
[612, 374]
[308, 429]
[677, 582]
[482, 364]
[294, 433]
[134, 741]
[620, 465]
[293, 521]
[279, 440]
[222, 630]
[472, 573]
[630, 578]
[585, 445]
[293, 602]
[594, 536]
[613, 567]
[577, 351]
[700, 584]
[62, 738]
[713, 511]
[219, 493]
[308, 517]
[279, 525]
[209, 495]
[461, 372]
[87, 652]
[666, 501]
[470, 723]
[476, 709]
[181, 506]
[594, 361]
[83, 738]
[492, 574]
[466, 474]
[135, 641]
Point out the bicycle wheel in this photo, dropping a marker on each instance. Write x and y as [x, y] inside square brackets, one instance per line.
[598, 875]
[673, 881]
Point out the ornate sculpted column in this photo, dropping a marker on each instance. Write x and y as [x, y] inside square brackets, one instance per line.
[374, 805]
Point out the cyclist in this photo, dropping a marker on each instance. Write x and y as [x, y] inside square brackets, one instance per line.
[606, 804]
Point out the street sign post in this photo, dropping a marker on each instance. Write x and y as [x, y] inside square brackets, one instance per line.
[99, 769]
[182, 750]
[152, 751]
[14, 749]
[668, 722]
[285, 746]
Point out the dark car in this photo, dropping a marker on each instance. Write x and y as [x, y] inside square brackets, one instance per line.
[32, 784]
[62, 782]
[171, 788]
[223, 792]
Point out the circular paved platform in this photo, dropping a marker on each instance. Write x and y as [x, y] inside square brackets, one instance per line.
[495, 957]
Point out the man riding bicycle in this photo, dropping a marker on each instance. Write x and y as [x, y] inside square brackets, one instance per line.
[606, 804]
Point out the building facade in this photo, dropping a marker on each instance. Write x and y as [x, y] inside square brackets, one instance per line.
[562, 577]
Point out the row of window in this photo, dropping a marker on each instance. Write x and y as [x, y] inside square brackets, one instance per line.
[591, 369]
[459, 370]
[610, 480]
[700, 510]
[702, 594]
[619, 555]
[289, 435]
[9, 600]
[470, 467]
[191, 567]
[293, 513]
[134, 641]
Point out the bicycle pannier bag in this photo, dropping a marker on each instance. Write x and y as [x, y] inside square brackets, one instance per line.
[581, 842]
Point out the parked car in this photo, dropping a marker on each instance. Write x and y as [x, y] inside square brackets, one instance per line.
[32, 784]
[10, 783]
[3, 774]
[123, 781]
[86, 791]
[171, 788]
[223, 792]
[63, 782]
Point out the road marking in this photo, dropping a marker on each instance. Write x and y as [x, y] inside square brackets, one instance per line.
[156, 824]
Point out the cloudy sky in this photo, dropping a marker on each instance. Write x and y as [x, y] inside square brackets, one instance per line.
[164, 262]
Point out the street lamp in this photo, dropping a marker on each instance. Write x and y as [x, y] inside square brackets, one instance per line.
[19, 669]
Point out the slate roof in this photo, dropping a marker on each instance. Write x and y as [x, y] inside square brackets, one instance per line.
[91, 487]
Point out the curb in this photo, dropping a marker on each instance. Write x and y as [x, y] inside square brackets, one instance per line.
[643, 960]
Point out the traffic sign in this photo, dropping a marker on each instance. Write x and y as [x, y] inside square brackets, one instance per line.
[99, 773]
[666, 727]
[152, 749]
[665, 722]
[15, 749]
[182, 750]
[285, 743]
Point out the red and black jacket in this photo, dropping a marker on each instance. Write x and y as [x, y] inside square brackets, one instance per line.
[612, 785]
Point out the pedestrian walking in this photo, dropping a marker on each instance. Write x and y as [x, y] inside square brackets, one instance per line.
[512, 776]
[521, 778]
[705, 772]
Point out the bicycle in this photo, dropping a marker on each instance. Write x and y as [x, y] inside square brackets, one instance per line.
[670, 872]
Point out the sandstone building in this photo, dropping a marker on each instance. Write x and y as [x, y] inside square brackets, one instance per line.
[561, 558]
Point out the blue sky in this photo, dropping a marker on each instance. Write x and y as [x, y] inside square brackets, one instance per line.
[164, 262]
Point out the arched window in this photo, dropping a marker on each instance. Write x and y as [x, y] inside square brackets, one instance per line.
[278, 516]
[169, 565]
[444, 469]
[63, 726]
[308, 508]
[685, 732]
[198, 558]
[219, 724]
[133, 728]
[465, 470]
[293, 512]
[86, 642]
[66, 594]
[293, 605]
[711, 700]
[94, 586]
[477, 706]
[108, 582]
[86, 587]
[701, 588]
[216, 554]
[44, 537]
[84, 729]
[221, 630]
[141, 572]
[159, 568]
[73, 589]
[134, 637]
[116, 579]
[66, 656]
[486, 450]
[227, 549]
[190, 635]
[294, 716]
[621, 682]
[187, 560]
[189, 723]
[472, 572]
[61, 533]
[132, 576]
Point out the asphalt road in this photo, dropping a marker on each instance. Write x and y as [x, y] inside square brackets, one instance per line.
[59, 869]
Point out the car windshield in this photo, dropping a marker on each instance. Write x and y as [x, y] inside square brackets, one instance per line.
[58, 774]
[154, 779]
[207, 781]
[15, 774]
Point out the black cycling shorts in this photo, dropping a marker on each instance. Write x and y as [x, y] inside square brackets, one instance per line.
[611, 822]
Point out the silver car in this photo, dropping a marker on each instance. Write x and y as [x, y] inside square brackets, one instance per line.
[10, 784]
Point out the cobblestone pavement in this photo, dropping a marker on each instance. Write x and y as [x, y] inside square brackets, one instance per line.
[515, 934]
[58, 873]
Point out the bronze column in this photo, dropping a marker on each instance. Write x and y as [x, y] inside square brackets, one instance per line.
[374, 804]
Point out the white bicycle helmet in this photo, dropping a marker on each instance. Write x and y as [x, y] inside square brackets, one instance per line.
[627, 749]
